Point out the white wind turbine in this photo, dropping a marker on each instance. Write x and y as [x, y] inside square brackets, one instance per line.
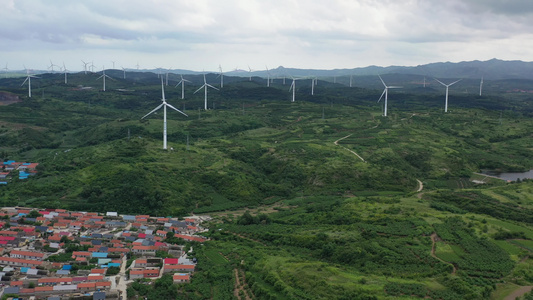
[166, 75]
[221, 75]
[205, 86]
[351, 79]
[250, 72]
[386, 93]
[481, 85]
[65, 70]
[268, 77]
[447, 86]
[124, 70]
[182, 82]
[103, 76]
[52, 66]
[313, 85]
[5, 70]
[164, 105]
[293, 88]
[28, 79]
[84, 66]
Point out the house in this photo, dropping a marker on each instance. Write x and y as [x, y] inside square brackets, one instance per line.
[180, 278]
[19, 262]
[26, 254]
[136, 274]
[151, 273]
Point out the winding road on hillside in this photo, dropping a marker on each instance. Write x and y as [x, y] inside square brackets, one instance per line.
[337, 143]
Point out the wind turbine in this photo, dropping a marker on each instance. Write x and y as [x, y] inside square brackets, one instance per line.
[124, 70]
[293, 88]
[268, 77]
[164, 105]
[481, 85]
[351, 79]
[166, 75]
[5, 70]
[28, 79]
[447, 86]
[221, 75]
[386, 93]
[313, 86]
[103, 76]
[84, 66]
[51, 66]
[113, 64]
[137, 65]
[65, 70]
[182, 82]
[250, 72]
[205, 86]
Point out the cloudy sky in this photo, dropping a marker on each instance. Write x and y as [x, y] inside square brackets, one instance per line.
[319, 34]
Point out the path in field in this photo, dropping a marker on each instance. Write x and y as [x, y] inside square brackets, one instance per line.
[420, 186]
[433, 246]
[519, 292]
[239, 286]
[337, 143]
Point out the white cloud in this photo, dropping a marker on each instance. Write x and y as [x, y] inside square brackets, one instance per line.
[201, 34]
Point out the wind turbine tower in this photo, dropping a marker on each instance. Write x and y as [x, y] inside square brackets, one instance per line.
[386, 93]
[65, 70]
[447, 87]
[164, 105]
[124, 70]
[351, 79]
[250, 72]
[182, 82]
[481, 85]
[221, 75]
[205, 86]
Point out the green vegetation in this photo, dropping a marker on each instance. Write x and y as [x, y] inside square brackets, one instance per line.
[297, 215]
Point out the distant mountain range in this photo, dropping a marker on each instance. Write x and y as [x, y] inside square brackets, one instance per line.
[493, 69]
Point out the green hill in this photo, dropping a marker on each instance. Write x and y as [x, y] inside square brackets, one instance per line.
[329, 185]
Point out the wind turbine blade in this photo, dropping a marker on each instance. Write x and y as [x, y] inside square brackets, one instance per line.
[25, 81]
[199, 89]
[395, 87]
[162, 90]
[177, 110]
[455, 82]
[181, 81]
[100, 77]
[439, 81]
[186, 80]
[382, 94]
[382, 81]
[158, 107]
[211, 86]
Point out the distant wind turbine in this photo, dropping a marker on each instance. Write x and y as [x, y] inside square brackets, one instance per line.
[351, 79]
[66, 71]
[205, 86]
[28, 79]
[221, 75]
[481, 85]
[5, 70]
[250, 73]
[124, 70]
[293, 88]
[164, 105]
[386, 93]
[85, 67]
[447, 86]
[103, 76]
[268, 77]
[113, 64]
[51, 66]
[182, 82]
[137, 65]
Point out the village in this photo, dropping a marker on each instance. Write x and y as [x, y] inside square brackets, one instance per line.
[22, 169]
[59, 254]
